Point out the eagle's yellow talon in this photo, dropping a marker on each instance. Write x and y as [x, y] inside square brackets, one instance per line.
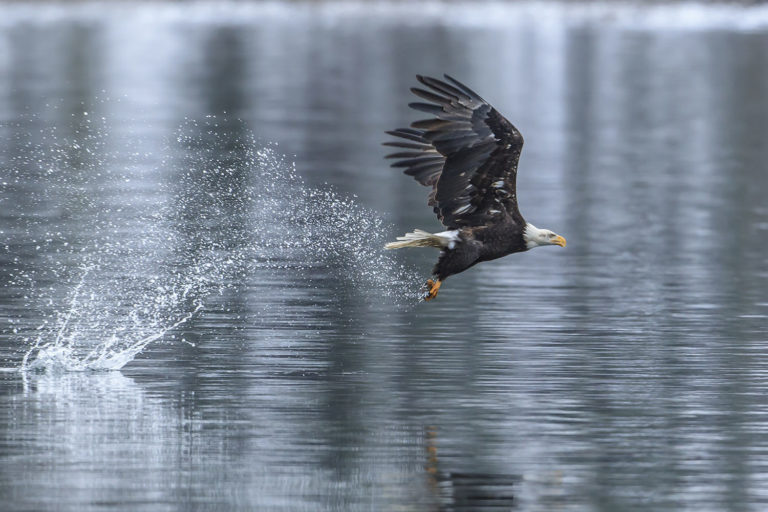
[432, 288]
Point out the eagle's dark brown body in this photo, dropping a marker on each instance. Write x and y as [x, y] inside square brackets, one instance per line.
[467, 152]
[478, 244]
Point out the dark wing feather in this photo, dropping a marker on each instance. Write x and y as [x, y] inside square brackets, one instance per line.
[424, 162]
[467, 152]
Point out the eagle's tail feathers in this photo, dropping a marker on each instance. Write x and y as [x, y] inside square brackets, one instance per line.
[420, 238]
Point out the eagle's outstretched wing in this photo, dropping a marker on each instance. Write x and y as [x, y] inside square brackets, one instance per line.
[467, 153]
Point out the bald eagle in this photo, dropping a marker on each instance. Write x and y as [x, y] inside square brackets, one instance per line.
[467, 152]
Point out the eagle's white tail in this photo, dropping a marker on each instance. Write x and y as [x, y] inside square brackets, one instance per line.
[419, 238]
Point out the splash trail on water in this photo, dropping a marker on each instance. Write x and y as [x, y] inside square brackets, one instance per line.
[137, 244]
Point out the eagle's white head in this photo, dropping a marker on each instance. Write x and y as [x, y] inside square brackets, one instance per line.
[535, 237]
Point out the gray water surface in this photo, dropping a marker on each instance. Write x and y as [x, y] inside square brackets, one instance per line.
[210, 175]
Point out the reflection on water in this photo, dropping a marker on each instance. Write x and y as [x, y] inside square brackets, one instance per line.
[467, 491]
[625, 372]
[71, 436]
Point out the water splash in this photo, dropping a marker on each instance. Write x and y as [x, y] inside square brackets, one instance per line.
[302, 227]
[76, 340]
[138, 265]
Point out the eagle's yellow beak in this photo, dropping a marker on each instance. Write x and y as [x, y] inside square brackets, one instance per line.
[558, 240]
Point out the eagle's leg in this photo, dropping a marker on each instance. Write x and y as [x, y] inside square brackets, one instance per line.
[432, 288]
